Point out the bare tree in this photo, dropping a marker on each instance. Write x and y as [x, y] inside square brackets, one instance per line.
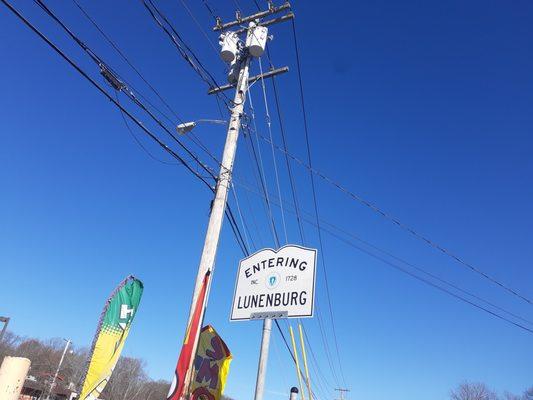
[472, 391]
[511, 396]
[129, 380]
[8, 344]
[155, 390]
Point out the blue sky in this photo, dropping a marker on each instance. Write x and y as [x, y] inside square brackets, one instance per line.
[423, 108]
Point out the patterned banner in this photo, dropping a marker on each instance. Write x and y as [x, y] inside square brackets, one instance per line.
[211, 366]
[110, 336]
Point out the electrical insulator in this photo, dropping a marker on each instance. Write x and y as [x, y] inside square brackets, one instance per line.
[256, 40]
[229, 42]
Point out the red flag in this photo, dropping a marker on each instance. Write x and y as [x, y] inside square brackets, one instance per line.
[178, 383]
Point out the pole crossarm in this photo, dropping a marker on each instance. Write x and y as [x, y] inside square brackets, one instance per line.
[269, 22]
[253, 17]
[251, 80]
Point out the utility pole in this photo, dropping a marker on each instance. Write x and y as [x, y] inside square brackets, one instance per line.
[257, 20]
[5, 320]
[342, 391]
[242, 62]
[58, 368]
[218, 206]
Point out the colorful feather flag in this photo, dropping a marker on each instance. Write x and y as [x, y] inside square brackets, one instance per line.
[111, 334]
[211, 366]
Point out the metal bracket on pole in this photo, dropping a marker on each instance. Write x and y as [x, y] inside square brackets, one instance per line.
[251, 80]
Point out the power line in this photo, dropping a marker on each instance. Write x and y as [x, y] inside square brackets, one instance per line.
[393, 219]
[434, 285]
[101, 90]
[269, 125]
[266, 198]
[126, 112]
[315, 202]
[137, 140]
[210, 9]
[287, 163]
[298, 218]
[263, 183]
[117, 83]
[245, 229]
[191, 135]
[126, 59]
[165, 147]
[425, 272]
[183, 48]
[200, 27]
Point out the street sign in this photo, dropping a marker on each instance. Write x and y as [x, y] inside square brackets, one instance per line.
[275, 284]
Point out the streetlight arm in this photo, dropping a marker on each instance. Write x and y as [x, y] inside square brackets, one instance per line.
[189, 126]
[213, 121]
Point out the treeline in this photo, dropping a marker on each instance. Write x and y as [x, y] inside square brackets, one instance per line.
[480, 391]
[128, 382]
[131, 382]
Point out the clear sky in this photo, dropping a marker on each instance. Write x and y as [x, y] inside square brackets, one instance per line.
[422, 107]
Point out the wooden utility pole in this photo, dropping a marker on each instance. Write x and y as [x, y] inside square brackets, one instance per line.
[218, 208]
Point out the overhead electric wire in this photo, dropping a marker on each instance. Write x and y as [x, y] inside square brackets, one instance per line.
[269, 125]
[183, 48]
[263, 184]
[298, 217]
[393, 219]
[200, 27]
[265, 191]
[210, 9]
[122, 54]
[102, 64]
[137, 140]
[389, 254]
[315, 202]
[289, 169]
[165, 147]
[100, 89]
[302, 235]
[269, 213]
[428, 282]
[117, 104]
[386, 215]
[126, 59]
[245, 229]
[287, 345]
[322, 377]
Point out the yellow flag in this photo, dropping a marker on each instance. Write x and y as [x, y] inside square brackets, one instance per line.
[110, 336]
[211, 366]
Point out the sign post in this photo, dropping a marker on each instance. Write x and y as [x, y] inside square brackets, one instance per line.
[275, 284]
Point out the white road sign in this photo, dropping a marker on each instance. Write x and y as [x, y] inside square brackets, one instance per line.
[275, 284]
